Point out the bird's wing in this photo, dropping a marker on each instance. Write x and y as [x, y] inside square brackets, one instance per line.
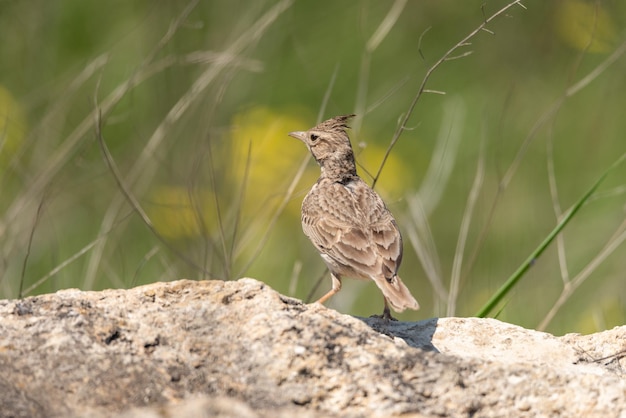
[384, 232]
[352, 226]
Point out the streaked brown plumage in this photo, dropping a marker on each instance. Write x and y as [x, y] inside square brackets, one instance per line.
[348, 222]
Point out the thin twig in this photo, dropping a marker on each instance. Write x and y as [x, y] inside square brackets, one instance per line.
[532, 258]
[327, 93]
[73, 258]
[220, 221]
[30, 244]
[423, 244]
[318, 282]
[457, 264]
[444, 156]
[371, 45]
[551, 112]
[130, 197]
[385, 26]
[616, 191]
[546, 116]
[242, 193]
[387, 95]
[361, 91]
[67, 148]
[419, 42]
[202, 82]
[409, 112]
[456, 57]
[556, 206]
[570, 287]
[326, 98]
[123, 187]
[153, 251]
[61, 266]
[198, 208]
[279, 210]
[252, 34]
[295, 275]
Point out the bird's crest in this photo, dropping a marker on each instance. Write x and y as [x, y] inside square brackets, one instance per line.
[337, 124]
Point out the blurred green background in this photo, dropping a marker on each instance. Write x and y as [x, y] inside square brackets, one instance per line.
[196, 99]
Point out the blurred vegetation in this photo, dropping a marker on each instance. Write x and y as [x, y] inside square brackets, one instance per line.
[196, 98]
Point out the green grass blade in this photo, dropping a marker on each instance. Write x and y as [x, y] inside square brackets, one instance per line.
[517, 275]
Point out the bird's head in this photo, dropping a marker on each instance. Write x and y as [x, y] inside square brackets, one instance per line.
[328, 141]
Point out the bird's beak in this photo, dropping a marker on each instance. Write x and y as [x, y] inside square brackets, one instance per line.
[301, 135]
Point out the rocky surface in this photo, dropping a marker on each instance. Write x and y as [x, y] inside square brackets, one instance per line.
[240, 349]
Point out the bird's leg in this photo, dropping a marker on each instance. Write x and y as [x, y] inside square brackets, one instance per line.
[336, 288]
[387, 312]
[386, 315]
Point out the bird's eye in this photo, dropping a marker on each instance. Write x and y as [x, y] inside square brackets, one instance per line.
[314, 137]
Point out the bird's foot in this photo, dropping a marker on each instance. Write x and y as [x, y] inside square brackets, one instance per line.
[386, 315]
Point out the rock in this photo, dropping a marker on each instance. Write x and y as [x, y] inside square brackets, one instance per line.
[240, 349]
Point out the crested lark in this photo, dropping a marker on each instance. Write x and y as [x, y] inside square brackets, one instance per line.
[348, 222]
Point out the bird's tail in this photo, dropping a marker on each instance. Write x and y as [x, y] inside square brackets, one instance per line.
[397, 294]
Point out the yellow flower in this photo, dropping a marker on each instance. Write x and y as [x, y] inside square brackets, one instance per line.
[585, 26]
[260, 145]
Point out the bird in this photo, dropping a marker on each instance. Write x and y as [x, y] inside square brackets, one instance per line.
[348, 222]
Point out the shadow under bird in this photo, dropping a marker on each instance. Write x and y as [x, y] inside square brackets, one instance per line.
[348, 222]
